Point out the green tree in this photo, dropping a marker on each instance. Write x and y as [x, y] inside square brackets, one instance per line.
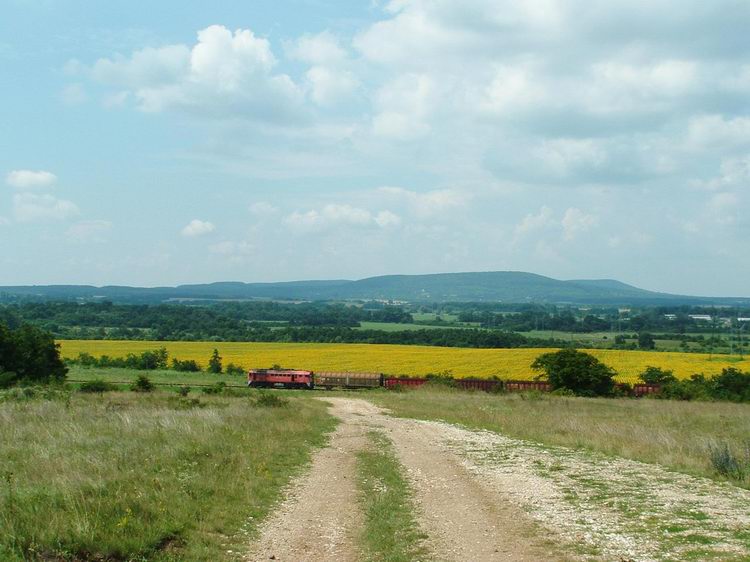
[646, 341]
[29, 354]
[581, 373]
[214, 364]
[657, 375]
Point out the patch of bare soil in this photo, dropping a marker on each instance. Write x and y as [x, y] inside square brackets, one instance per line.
[320, 518]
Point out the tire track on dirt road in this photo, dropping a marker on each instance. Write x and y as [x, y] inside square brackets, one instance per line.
[320, 519]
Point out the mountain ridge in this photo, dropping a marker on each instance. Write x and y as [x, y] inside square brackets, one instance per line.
[483, 286]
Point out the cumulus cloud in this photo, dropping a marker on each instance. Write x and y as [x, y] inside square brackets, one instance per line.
[224, 74]
[427, 204]
[263, 209]
[230, 248]
[89, 231]
[330, 77]
[197, 227]
[534, 222]
[74, 94]
[340, 215]
[28, 207]
[29, 179]
[575, 222]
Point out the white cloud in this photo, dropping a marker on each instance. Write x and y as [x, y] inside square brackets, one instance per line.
[340, 215]
[575, 222]
[330, 84]
[320, 49]
[329, 78]
[28, 207]
[74, 94]
[561, 156]
[716, 131]
[224, 74]
[197, 228]
[386, 219]
[263, 209]
[427, 204]
[530, 223]
[29, 179]
[229, 248]
[403, 107]
[89, 231]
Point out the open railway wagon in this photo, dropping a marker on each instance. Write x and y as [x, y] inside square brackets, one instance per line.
[329, 380]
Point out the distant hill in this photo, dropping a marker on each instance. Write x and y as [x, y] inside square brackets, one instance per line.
[491, 286]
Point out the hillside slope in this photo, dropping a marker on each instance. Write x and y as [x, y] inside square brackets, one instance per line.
[490, 286]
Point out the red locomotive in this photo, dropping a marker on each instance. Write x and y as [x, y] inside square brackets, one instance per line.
[288, 378]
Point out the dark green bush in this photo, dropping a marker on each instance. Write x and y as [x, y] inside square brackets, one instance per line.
[142, 384]
[232, 369]
[657, 375]
[187, 366]
[29, 354]
[579, 372]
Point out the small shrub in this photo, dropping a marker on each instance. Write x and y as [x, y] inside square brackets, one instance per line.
[142, 384]
[97, 386]
[729, 464]
[184, 390]
[232, 369]
[562, 392]
[444, 378]
[217, 388]
[180, 403]
[7, 379]
[270, 400]
[186, 366]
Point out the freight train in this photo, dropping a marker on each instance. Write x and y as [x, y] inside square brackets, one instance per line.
[292, 378]
[295, 378]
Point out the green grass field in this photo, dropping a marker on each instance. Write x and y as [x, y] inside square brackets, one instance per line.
[128, 476]
[116, 375]
[673, 434]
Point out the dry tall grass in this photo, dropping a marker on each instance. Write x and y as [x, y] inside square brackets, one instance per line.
[123, 476]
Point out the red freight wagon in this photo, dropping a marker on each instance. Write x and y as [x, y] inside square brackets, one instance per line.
[288, 378]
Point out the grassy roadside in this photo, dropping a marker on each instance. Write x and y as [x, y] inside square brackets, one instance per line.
[390, 533]
[677, 435]
[76, 372]
[126, 476]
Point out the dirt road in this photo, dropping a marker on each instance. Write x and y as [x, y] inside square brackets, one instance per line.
[482, 497]
[463, 519]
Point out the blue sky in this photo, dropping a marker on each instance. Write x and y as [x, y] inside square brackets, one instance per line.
[171, 142]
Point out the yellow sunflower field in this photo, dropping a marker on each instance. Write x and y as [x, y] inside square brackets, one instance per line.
[404, 359]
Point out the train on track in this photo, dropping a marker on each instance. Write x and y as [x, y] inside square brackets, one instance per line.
[296, 378]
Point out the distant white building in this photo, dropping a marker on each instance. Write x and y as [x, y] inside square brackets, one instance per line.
[701, 317]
